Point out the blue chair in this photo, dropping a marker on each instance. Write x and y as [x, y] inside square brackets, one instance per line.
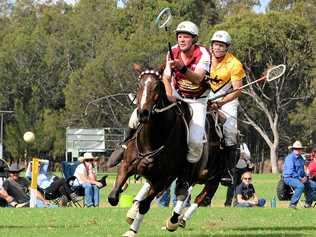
[68, 170]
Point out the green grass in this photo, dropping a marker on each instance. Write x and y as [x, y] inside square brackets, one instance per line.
[209, 221]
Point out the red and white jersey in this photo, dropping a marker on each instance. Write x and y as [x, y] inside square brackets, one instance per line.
[200, 59]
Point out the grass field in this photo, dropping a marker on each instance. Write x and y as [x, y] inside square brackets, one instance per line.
[210, 221]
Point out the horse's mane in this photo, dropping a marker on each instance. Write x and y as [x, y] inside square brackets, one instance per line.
[163, 100]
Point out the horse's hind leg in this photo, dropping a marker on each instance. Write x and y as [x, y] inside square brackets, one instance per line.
[182, 194]
[203, 199]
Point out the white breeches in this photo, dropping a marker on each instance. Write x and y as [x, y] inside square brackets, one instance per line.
[230, 111]
[230, 126]
[196, 126]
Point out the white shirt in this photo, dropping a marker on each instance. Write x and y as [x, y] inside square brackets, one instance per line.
[245, 156]
[81, 170]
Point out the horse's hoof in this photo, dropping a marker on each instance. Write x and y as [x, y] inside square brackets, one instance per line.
[129, 220]
[171, 226]
[113, 201]
[132, 212]
[182, 223]
[129, 233]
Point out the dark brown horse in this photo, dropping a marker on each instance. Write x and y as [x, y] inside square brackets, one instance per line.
[158, 149]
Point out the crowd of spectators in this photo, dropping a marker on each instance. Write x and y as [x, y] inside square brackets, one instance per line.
[52, 191]
[299, 173]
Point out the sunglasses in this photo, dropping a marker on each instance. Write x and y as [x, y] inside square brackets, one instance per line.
[14, 172]
[89, 160]
[247, 178]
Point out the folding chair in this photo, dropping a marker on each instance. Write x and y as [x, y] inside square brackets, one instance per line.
[55, 198]
[68, 169]
[284, 191]
[3, 175]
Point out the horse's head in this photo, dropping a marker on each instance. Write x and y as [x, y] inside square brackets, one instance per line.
[150, 88]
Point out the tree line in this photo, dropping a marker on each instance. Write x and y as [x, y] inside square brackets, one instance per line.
[70, 66]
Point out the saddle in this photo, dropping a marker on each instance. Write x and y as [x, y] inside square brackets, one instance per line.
[212, 149]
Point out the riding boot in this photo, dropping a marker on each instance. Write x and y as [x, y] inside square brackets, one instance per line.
[231, 158]
[116, 155]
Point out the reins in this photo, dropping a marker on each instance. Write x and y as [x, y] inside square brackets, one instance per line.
[150, 155]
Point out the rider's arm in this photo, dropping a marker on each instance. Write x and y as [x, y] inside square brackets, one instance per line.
[236, 85]
[195, 76]
[166, 78]
[199, 72]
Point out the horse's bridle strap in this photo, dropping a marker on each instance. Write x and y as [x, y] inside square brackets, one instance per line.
[165, 108]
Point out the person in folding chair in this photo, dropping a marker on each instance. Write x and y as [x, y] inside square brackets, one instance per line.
[295, 176]
[52, 187]
[86, 177]
[18, 187]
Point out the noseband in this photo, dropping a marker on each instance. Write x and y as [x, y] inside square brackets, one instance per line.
[149, 72]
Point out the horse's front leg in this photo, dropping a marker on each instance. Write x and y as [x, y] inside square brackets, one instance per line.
[144, 206]
[121, 179]
[141, 195]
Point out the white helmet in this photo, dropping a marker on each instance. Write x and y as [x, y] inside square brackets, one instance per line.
[222, 36]
[188, 27]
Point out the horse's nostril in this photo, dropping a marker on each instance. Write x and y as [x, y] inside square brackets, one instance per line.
[143, 115]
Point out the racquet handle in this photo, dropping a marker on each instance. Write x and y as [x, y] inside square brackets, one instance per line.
[242, 87]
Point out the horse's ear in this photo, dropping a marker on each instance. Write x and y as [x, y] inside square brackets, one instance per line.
[137, 68]
[161, 68]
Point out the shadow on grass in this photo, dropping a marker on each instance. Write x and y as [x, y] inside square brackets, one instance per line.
[252, 235]
[275, 228]
[289, 231]
[39, 226]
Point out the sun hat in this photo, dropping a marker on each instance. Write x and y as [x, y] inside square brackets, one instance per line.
[297, 145]
[15, 168]
[87, 156]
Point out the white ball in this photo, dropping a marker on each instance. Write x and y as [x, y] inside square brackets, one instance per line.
[29, 137]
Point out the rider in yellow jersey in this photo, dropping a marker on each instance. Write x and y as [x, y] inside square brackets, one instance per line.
[226, 74]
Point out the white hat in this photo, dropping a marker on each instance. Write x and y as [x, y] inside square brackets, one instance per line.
[188, 27]
[297, 145]
[222, 36]
[87, 156]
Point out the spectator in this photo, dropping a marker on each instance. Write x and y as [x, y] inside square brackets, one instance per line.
[18, 187]
[311, 169]
[6, 199]
[86, 177]
[246, 194]
[243, 165]
[312, 165]
[294, 175]
[51, 186]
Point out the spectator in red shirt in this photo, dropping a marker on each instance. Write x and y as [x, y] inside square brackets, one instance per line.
[312, 165]
[311, 170]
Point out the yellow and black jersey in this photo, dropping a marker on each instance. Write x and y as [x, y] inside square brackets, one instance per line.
[229, 69]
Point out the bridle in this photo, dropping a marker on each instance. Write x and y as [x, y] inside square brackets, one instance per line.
[150, 155]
